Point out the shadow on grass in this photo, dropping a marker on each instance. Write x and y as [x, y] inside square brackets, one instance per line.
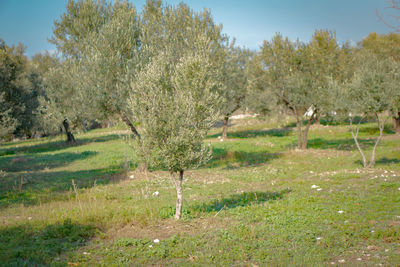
[340, 144]
[51, 146]
[41, 162]
[41, 187]
[231, 159]
[276, 132]
[239, 200]
[374, 130]
[25, 246]
[386, 161]
[334, 121]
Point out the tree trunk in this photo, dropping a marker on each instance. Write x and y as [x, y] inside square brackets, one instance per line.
[381, 125]
[396, 123]
[179, 194]
[317, 121]
[130, 125]
[299, 125]
[143, 166]
[70, 136]
[355, 135]
[305, 134]
[225, 128]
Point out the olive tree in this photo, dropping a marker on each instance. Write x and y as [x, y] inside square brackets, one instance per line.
[386, 46]
[374, 90]
[234, 78]
[177, 104]
[295, 75]
[19, 91]
[64, 103]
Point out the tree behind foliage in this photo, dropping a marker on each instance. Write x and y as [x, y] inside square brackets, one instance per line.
[296, 75]
[373, 91]
[234, 78]
[19, 91]
[386, 46]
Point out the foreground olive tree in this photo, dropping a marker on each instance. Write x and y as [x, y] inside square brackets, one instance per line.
[374, 90]
[177, 105]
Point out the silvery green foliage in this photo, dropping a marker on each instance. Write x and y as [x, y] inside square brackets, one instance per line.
[234, 78]
[375, 85]
[108, 55]
[7, 123]
[177, 105]
[64, 99]
[373, 90]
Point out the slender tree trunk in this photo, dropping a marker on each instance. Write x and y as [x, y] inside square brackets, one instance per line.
[305, 133]
[355, 135]
[381, 125]
[179, 194]
[317, 122]
[143, 166]
[396, 123]
[299, 125]
[130, 125]
[225, 127]
[70, 136]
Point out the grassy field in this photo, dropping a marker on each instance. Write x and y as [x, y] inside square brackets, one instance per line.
[259, 202]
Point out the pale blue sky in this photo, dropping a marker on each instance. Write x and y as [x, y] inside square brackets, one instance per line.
[249, 21]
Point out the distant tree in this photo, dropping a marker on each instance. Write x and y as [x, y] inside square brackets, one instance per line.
[72, 36]
[18, 90]
[386, 46]
[64, 103]
[372, 91]
[8, 124]
[81, 19]
[108, 55]
[296, 75]
[235, 81]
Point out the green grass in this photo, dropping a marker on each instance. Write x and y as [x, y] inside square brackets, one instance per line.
[252, 205]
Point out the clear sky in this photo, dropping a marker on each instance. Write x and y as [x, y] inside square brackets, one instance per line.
[30, 22]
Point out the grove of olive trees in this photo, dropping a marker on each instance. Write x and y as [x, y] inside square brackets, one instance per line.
[170, 73]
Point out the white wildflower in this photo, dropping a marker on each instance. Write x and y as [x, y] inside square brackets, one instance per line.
[341, 261]
[319, 189]
[340, 211]
[150, 246]
[314, 186]
[359, 259]
[156, 241]
[131, 177]
[155, 194]
[311, 172]
[319, 238]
